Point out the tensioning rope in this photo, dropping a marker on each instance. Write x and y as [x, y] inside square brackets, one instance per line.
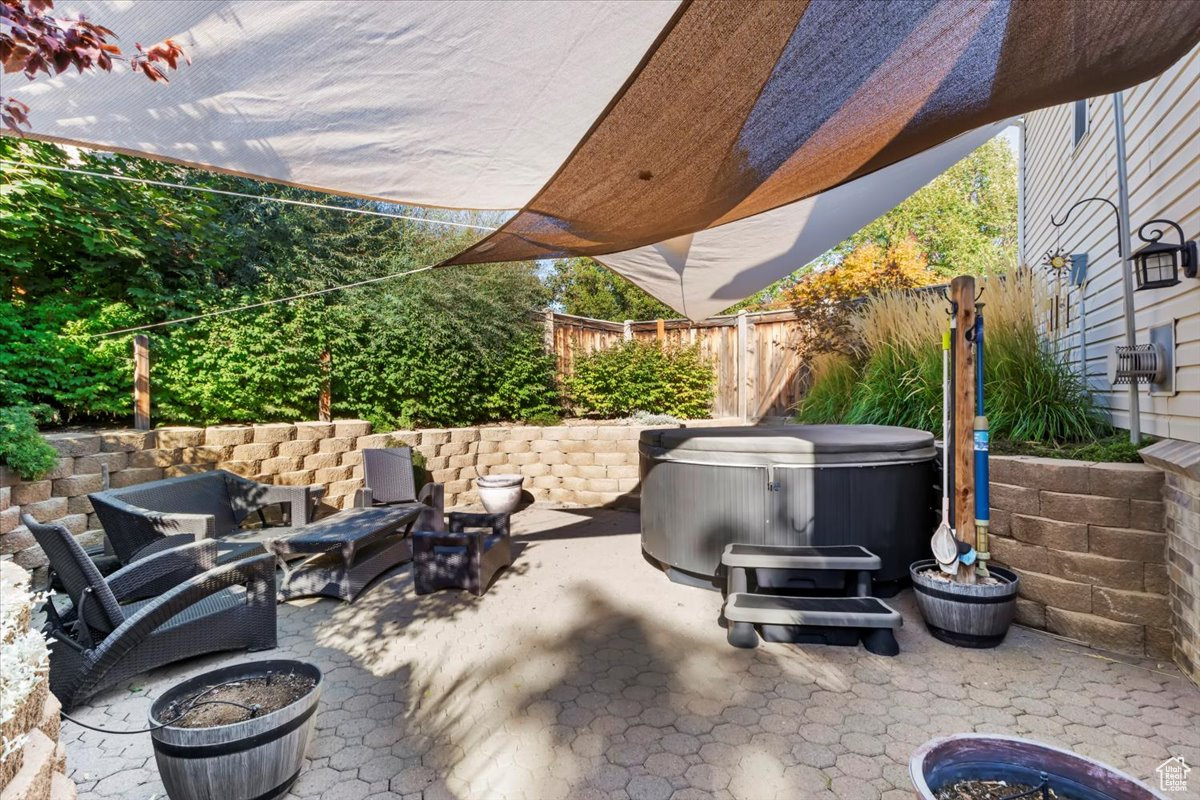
[300, 296]
[230, 193]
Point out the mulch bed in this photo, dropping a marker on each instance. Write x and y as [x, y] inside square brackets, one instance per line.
[995, 790]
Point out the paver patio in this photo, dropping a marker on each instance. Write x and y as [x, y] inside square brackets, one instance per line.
[584, 673]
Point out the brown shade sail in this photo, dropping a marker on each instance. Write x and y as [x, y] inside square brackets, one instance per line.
[741, 108]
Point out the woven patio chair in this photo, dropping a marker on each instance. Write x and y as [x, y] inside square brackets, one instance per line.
[468, 556]
[147, 518]
[104, 638]
[388, 480]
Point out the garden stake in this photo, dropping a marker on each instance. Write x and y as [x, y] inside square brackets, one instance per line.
[943, 544]
[982, 436]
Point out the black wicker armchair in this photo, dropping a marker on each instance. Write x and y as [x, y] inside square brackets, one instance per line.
[388, 480]
[148, 518]
[468, 556]
[104, 638]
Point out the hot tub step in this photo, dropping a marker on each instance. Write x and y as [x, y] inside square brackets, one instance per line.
[825, 620]
[766, 556]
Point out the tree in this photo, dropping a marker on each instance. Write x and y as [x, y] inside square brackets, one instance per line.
[823, 299]
[32, 41]
[965, 220]
[583, 287]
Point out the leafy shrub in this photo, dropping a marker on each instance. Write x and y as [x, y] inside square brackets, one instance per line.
[894, 376]
[21, 448]
[642, 376]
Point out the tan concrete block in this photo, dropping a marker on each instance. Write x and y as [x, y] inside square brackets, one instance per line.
[544, 445]
[209, 454]
[75, 523]
[126, 441]
[254, 452]
[145, 459]
[298, 447]
[303, 477]
[556, 433]
[1030, 614]
[1145, 514]
[279, 464]
[435, 436]
[1051, 533]
[546, 482]
[93, 536]
[515, 446]
[464, 435]
[46, 510]
[1001, 522]
[321, 461]
[114, 461]
[610, 458]
[604, 485]
[77, 485]
[354, 458]
[314, 430]
[10, 518]
[65, 468]
[523, 459]
[457, 487]
[1049, 590]
[581, 459]
[16, 538]
[1138, 481]
[535, 469]
[562, 496]
[563, 471]
[1156, 580]
[8, 477]
[1138, 608]
[613, 433]
[247, 469]
[1128, 543]
[453, 449]
[443, 475]
[623, 471]
[486, 460]
[32, 492]
[460, 461]
[574, 483]
[1114, 573]
[1014, 498]
[79, 505]
[1110, 511]
[493, 434]
[351, 428]
[5, 497]
[344, 488]
[582, 433]
[1119, 637]
[625, 446]
[228, 435]
[1017, 554]
[332, 474]
[274, 433]
[436, 463]
[626, 485]
[487, 447]
[31, 557]
[336, 444]
[74, 444]
[1159, 643]
[176, 437]
[552, 458]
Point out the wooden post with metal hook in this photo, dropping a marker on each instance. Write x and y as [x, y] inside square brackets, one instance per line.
[962, 294]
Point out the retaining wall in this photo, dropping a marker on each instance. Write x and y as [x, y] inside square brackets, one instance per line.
[1089, 544]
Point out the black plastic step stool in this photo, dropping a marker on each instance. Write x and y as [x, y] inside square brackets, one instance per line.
[819, 620]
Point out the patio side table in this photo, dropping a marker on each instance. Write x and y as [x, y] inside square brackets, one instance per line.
[468, 556]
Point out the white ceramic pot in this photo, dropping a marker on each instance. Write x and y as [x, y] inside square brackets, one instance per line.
[500, 494]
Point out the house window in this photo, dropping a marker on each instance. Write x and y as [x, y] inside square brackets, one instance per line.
[1081, 121]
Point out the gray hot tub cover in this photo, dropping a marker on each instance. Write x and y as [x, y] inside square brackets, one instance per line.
[792, 445]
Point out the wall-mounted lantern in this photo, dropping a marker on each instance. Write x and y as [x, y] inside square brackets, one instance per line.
[1157, 264]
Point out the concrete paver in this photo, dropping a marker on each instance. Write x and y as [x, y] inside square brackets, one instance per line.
[585, 673]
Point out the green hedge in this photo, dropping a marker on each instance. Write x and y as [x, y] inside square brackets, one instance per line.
[642, 376]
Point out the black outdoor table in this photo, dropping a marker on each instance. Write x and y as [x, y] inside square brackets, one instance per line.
[341, 554]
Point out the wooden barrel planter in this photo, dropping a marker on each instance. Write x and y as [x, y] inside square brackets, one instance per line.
[258, 759]
[944, 762]
[966, 615]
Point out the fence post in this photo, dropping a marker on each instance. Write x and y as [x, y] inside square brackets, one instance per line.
[325, 399]
[962, 292]
[548, 331]
[662, 330]
[141, 382]
[627, 331]
[743, 365]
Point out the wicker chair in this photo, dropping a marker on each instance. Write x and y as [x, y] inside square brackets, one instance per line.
[388, 480]
[467, 557]
[147, 518]
[104, 638]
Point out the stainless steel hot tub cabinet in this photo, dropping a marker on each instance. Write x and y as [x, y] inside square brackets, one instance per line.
[870, 485]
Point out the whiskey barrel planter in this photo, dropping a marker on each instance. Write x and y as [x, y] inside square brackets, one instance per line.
[942, 762]
[258, 759]
[966, 615]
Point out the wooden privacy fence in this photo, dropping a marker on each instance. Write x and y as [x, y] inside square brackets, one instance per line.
[759, 371]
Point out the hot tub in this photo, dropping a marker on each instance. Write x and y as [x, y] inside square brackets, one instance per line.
[704, 488]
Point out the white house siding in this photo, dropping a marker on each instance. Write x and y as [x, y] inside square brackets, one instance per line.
[1162, 123]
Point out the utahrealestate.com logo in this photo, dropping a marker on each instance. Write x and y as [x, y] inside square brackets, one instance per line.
[1172, 774]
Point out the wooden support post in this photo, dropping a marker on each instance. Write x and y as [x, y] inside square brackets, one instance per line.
[325, 400]
[548, 331]
[661, 327]
[141, 382]
[743, 365]
[962, 293]
[627, 330]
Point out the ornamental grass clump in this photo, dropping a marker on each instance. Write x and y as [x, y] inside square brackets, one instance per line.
[891, 373]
